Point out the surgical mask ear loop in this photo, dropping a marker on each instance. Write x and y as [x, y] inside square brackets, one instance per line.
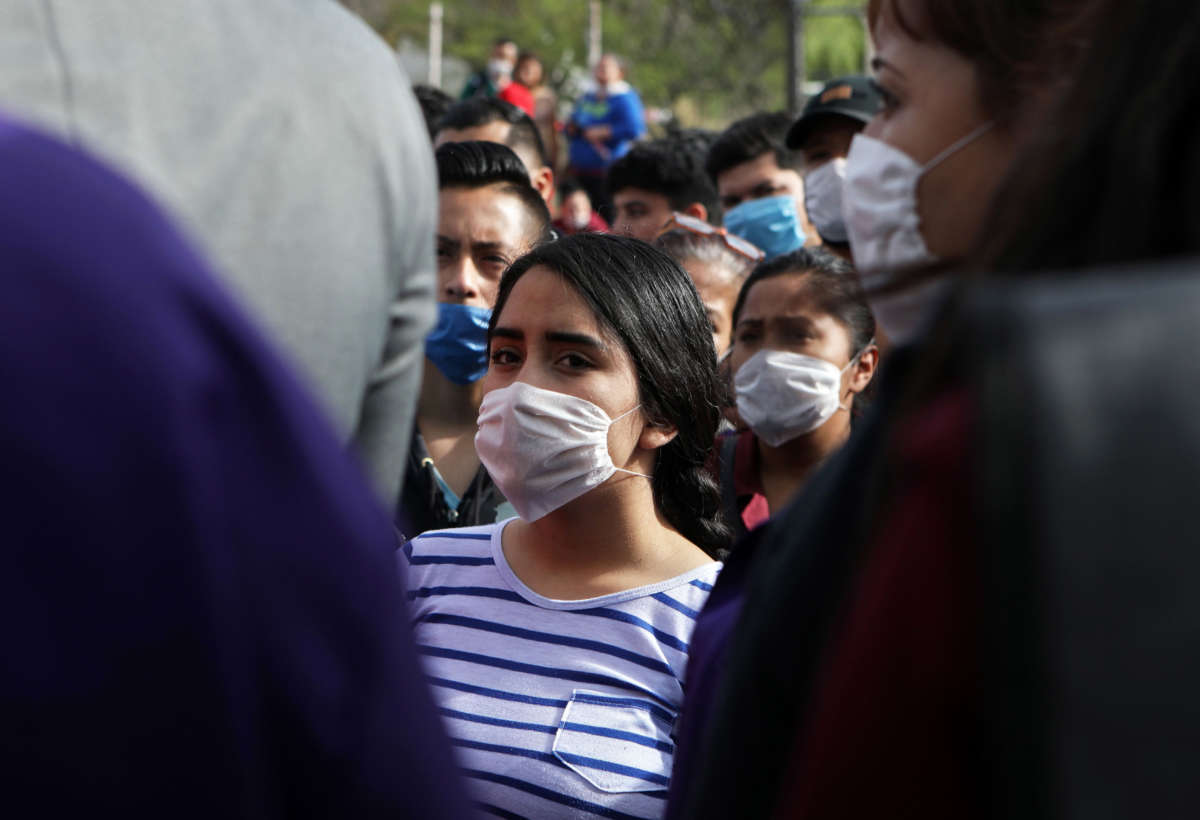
[857, 356]
[957, 146]
[610, 424]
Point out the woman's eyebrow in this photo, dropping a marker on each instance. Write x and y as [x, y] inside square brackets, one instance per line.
[508, 333]
[793, 322]
[562, 336]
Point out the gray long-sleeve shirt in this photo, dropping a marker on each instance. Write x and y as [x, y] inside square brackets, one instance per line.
[283, 136]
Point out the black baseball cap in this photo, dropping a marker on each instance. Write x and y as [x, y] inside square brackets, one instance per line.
[855, 97]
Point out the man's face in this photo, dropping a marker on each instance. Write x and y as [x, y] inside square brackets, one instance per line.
[608, 70]
[758, 178]
[481, 231]
[640, 214]
[506, 52]
[829, 139]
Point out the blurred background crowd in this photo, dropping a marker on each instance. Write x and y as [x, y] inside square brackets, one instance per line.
[543, 409]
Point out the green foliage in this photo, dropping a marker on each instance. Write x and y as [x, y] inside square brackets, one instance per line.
[709, 60]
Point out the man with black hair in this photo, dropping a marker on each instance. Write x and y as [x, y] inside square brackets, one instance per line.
[493, 120]
[488, 215]
[823, 134]
[656, 178]
[759, 182]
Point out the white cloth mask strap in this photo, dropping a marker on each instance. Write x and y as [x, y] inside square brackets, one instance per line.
[854, 359]
[614, 421]
[958, 146]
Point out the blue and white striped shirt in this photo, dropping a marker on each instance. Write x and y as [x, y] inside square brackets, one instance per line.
[556, 708]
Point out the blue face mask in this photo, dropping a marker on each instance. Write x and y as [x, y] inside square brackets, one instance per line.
[458, 344]
[771, 223]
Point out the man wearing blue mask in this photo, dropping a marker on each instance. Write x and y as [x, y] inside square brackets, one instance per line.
[759, 182]
[488, 215]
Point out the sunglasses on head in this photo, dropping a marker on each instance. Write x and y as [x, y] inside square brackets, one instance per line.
[699, 226]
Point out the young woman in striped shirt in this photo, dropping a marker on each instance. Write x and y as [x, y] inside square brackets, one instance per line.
[556, 642]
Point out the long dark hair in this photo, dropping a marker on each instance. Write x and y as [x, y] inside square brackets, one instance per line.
[648, 302]
[1117, 176]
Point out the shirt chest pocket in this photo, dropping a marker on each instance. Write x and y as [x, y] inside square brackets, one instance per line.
[618, 744]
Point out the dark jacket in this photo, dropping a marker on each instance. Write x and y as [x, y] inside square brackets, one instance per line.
[423, 506]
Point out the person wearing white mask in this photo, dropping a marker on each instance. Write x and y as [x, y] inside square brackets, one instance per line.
[803, 353]
[921, 176]
[496, 74]
[556, 642]
[851, 657]
[822, 134]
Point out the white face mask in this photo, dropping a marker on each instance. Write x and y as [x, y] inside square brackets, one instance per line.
[783, 395]
[499, 69]
[879, 204]
[544, 449]
[823, 199]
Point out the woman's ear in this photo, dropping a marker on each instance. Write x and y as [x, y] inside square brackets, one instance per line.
[655, 435]
[864, 369]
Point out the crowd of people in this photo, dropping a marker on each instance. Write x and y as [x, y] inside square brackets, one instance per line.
[373, 451]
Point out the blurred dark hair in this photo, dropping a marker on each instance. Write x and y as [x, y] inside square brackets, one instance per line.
[750, 138]
[1020, 49]
[434, 104]
[477, 111]
[478, 164]
[648, 302]
[671, 167]
[1116, 176]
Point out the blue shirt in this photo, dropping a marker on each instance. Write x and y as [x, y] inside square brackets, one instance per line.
[621, 110]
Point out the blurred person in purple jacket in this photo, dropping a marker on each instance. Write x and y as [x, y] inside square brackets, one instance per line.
[200, 610]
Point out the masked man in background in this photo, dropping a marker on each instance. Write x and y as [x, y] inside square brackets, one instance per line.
[488, 215]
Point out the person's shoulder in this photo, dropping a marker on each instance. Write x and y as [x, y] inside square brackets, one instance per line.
[687, 591]
[453, 557]
[624, 91]
[460, 539]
